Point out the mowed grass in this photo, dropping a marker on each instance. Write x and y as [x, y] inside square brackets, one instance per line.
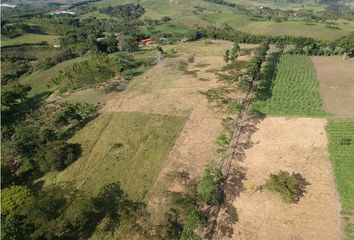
[29, 38]
[341, 149]
[295, 89]
[126, 147]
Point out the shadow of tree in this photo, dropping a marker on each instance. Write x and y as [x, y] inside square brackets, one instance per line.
[302, 184]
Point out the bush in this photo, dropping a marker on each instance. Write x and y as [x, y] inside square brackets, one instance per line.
[222, 142]
[289, 186]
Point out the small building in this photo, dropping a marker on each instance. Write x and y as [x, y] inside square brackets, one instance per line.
[147, 41]
[57, 45]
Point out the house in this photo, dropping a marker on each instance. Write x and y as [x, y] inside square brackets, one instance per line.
[147, 41]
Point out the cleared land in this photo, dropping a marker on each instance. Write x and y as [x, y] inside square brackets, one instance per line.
[341, 148]
[125, 147]
[296, 145]
[294, 90]
[336, 84]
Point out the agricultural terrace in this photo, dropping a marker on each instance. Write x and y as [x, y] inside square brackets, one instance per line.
[336, 78]
[291, 88]
[341, 149]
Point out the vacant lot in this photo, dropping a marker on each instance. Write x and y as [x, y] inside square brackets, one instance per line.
[295, 90]
[296, 145]
[336, 82]
[125, 147]
[341, 149]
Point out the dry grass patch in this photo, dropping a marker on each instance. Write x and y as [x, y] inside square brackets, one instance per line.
[336, 83]
[295, 145]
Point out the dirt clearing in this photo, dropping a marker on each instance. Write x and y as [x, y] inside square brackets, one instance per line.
[336, 78]
[296, 145]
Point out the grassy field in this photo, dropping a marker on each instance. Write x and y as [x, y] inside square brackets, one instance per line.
[125, 147]
[35, 52]
[40, 81]
[341, 148]
[182, 15]
[29, 38]
[295, 28]
[295, 90]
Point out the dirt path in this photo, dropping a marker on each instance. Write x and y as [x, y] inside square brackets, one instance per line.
[295, 145]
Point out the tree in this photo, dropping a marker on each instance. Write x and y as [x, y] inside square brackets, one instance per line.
[129, 43]
[234, 52]
[57, 155]
[13, 197]
[208, 188]
[111, 43]
[17, 94]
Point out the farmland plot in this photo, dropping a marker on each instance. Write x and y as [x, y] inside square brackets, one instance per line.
[336, 83]
[341, 148]
[295, 89]
[296, 145]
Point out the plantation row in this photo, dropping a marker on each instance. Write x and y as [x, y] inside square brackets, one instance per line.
[292, 89]
[341, 149]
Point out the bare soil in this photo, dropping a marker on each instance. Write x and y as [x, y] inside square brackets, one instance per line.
[296, 145]
[336, 81]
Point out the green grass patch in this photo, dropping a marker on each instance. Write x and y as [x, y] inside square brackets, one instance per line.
[125, 147]
[341, 150]
[295, 28]
[40, 80]
[294, 90]
[29, 38]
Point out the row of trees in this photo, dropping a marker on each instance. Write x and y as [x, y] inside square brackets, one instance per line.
[302, 45]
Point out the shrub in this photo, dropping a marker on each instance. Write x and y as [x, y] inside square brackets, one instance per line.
[13, 197]
[222, 142]
[289, 186]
